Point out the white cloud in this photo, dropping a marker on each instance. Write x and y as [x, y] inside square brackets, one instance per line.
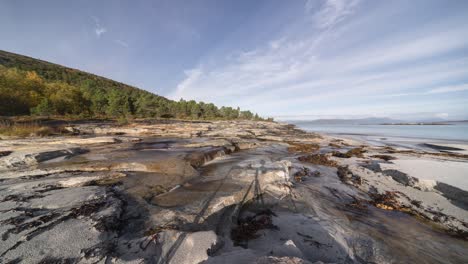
[192, 77]
[275, 44]
[99, 31]
[98, 28]
[304, 70]
[411, 48]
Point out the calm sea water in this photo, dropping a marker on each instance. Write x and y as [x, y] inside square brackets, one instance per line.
[444, 132]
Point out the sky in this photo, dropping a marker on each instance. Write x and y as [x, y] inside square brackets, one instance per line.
[297, 59]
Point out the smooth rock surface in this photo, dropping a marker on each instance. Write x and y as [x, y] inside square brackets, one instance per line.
[221, 192]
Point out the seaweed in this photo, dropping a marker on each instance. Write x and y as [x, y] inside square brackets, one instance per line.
[318, 159]
[4, 153]
[303, 173]
[248, 227]
[357, 203]
[87, 209]
[388, 201]
[355, 152]
[302, 147]
[347, 176]
[384, 157]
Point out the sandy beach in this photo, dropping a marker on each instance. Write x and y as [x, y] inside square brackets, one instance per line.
[446, 171]
[424, 167]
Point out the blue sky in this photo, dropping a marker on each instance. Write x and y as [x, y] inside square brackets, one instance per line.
[303, 59]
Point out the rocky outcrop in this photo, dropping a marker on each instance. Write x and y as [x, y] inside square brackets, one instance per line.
[216, 192]
[401, 177]
[398, 191]
[26, 158]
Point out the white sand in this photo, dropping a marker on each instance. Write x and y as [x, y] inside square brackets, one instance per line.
[451, 172]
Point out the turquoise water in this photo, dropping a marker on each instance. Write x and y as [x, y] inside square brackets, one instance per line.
[444, 132]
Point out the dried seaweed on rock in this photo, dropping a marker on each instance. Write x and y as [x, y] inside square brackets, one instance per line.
[347, 176]
[303, 173]
[247, 228]
[387, 201]
[318, 159]
[303, 147]
[384, 157]
[355, 152]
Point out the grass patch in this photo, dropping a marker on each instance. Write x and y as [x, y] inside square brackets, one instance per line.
[27, 129]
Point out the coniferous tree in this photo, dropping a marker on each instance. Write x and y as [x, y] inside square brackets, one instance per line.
[29, 86]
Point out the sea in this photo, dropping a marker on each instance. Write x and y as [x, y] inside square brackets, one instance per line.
[452, 132]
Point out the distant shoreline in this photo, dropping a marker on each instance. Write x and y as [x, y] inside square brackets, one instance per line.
[436, 131]
[417, 124]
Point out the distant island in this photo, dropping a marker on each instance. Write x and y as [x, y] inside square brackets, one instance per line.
[357, 121]
[418, 124]
[445, 123]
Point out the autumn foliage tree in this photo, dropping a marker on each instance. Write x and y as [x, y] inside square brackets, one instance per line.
[34, 87]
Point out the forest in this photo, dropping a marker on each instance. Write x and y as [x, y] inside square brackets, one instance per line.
[34, 87]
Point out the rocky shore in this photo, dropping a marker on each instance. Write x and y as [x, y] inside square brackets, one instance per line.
[222, 192]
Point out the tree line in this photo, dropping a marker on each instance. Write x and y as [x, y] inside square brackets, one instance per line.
[33, 87]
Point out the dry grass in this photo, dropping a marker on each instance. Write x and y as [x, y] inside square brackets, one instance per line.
[27, 129]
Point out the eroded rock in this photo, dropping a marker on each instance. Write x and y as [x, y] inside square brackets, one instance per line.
[186, 192]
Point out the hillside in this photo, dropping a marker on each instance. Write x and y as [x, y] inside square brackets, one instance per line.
[30, 86]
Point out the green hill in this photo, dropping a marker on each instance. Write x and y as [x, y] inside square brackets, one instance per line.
[30, 86]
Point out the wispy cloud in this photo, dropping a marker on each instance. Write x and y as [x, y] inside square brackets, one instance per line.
[98, 28]
[438, 90]
[310, 68]
[449, 89]
[121, 43]
[331, 12]
[192, 77]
